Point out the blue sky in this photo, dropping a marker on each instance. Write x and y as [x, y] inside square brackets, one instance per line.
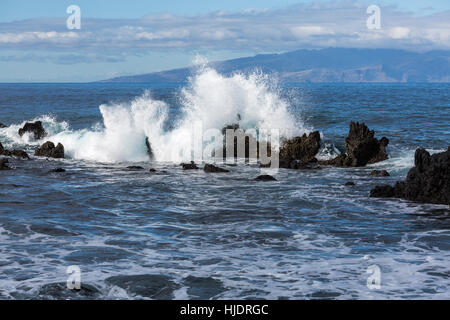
[141, 36]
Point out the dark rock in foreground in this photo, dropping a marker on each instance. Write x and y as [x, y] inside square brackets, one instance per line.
[135, 168]
[349, 183]
[265, 177]
[148, 286]
[49, 150]
[297, 152]
[213, 168]
[203, 288]
[362, 148]
[35, 128]
[16, 153]
[428, 181]
[57, 170]
[152, 170]
[3, 165]
[59, 291]
[2, 125]
[189, 166]
[379, 173]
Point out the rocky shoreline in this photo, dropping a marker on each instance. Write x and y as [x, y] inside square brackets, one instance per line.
[427, 182]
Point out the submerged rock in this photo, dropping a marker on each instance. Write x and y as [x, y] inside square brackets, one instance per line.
[49, 150]
[35, 128]
[152, 170]
[59, 291]
[299, 152]
[147, 285]
[213, 168]
[362, 148]
[428, 181]
[57, 170]
[135, 168]
[379, 173]
[349, 183]
[189, 166]
[203, 288]
[265, 177]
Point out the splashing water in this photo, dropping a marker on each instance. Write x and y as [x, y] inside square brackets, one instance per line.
[212, 99]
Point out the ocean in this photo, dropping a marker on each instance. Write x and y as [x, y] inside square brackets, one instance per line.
[187, 234]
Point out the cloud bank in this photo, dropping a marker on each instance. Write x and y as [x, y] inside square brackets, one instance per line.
[313, 25]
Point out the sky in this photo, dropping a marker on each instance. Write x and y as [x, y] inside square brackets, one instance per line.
[119, 38]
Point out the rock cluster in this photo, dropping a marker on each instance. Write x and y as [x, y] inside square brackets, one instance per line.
[362, 148]
[300, 152]
[428, 181]
[35, 128]
[15, 153]
[49, 150]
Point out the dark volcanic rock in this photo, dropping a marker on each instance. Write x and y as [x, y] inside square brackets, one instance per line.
[36, 128]
[379, 173]
[59, 291]
[152, 170]
[135, 168]
[189, 166]
[362, 148]
[57, 170]
[428, 181]
[213, 168]
[203, 288]
[265, 177]
[2, 125]
[3, 165]
[19, 154]
[349, 183]
[149, 286]
[298, 152]
[384, 191]
[48, 149]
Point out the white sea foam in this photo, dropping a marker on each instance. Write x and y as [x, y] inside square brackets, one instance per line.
[212, 99]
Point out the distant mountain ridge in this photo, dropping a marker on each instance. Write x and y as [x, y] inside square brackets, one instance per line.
[327, 65]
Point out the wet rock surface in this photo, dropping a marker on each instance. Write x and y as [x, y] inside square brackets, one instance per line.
[57, 170]
[212, 168]
[428, 181]
[379, 173]
[300, 152]
[203, 288]
[49, 150]
[189, 166]
[147, 285]
[35, 128]
[4, 164]
[362, 148]
[265, 177]
[2, 125]
[60, 291]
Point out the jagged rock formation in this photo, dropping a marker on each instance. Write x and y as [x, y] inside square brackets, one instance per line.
[49, 150]
[35, 128]
[362, 148]
[428, 181]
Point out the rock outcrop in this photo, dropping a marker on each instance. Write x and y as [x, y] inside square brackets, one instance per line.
[362, 148]
[2, 125]
[189, 166]
[49, 150]
[379, 173]
[3, 164]
[300, 152]
[213, 169]
[13, 153]
[428, 181]
[35, 128]
[265, 177]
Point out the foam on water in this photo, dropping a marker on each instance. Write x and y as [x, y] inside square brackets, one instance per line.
[210, 99]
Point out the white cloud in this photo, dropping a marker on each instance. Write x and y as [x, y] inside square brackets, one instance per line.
[399, 33]
[314, 25]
